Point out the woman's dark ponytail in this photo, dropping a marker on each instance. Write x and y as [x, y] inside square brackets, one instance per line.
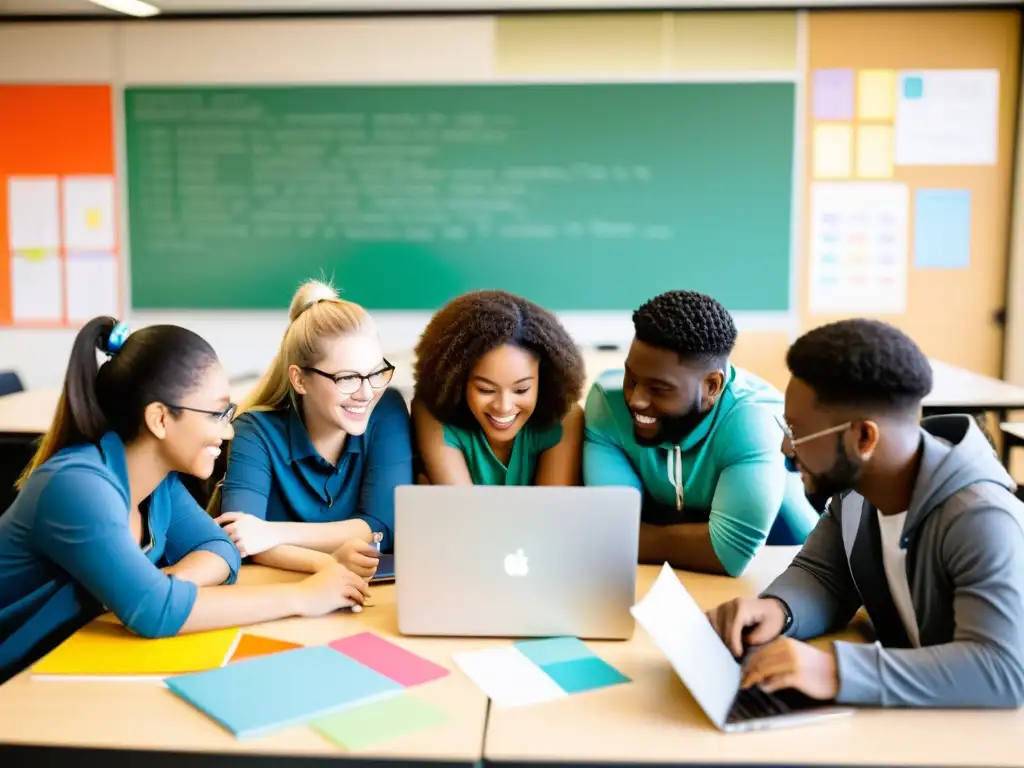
[79, 417]
[160, 363]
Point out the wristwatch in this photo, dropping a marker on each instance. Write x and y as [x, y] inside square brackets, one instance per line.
[789, 615]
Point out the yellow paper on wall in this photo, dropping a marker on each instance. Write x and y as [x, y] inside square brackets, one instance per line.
[874, 152]
[105, 649]
[876, 94]
[833, 151]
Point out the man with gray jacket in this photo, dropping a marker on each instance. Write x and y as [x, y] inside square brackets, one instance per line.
[922, 530]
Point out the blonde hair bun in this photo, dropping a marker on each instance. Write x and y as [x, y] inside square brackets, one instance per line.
[309, 293]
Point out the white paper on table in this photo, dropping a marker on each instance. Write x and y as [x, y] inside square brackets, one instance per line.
[36, 287]
[89, 213]
[947, 117]
[859, 247]
[92, 285]
[507, 677]
[33, 213]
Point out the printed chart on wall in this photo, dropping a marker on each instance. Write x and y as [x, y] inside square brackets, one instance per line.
[58, 206]
[866, 125]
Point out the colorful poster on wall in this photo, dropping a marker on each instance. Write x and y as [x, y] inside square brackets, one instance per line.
[947, 117]
[858, 248]
[59, 255]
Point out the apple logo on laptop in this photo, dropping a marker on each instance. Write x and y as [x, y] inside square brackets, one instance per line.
[516, 564]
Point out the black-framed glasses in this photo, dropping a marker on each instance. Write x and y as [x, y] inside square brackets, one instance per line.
[349, 382]
[222, 416]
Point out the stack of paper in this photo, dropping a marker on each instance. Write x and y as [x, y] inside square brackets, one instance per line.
[533, 671]
[103, 649]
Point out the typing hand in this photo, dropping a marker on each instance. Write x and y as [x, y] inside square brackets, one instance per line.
[250, 534]
[788, 663]
[359, 557]
[748, 621]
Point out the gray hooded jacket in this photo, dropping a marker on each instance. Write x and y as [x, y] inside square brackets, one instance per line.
[964, 537]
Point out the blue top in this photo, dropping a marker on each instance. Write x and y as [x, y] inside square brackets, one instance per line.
[275, 473]
[729, 472]
[67, 553]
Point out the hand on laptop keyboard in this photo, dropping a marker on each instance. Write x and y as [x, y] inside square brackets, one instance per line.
[787, 663]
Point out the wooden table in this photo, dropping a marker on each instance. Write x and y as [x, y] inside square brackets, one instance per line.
[146, 716]
[654, 720]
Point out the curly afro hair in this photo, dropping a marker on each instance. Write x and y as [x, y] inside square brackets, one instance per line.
[694, 326]
[470, 326]
[862, 362]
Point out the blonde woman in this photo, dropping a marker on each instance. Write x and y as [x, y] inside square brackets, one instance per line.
[319, 446]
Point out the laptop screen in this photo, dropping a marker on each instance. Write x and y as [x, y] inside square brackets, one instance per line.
[677, 625]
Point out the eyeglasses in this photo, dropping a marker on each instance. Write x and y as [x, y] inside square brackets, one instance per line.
[349, 382]
[795, 441]
[221, 416]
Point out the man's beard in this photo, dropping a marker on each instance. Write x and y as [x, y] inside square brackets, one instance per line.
[840, 477]
[673, 429]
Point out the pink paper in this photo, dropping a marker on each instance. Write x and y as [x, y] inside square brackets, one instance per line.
[388, 659]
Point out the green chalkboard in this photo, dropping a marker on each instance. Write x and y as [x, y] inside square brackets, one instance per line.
[578, 196]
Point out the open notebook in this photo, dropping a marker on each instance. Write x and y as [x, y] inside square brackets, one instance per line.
[106, 650]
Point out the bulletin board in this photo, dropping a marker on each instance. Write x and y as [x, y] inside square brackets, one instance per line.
[909, 130]
[59, 254]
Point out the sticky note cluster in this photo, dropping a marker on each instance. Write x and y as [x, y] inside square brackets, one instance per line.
[844, 145]
[339, 689]
[534, 671]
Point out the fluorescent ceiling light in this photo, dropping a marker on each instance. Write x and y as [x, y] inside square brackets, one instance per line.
[130, 7]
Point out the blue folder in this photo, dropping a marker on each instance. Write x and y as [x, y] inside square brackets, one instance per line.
[256, 696]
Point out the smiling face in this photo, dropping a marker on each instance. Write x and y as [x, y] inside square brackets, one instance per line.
[342, 361]
[190, 440]
[502, 391]
[667, 397]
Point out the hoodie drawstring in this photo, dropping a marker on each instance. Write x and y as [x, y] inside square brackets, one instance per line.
[674, 465]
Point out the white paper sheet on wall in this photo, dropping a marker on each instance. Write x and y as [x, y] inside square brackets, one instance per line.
[89, 213]
[859, 247]
[947, 117]
[37, 287]
[33, 213]
[92, 286]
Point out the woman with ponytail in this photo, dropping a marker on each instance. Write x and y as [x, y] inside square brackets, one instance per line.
[319, 446]
[102, 521]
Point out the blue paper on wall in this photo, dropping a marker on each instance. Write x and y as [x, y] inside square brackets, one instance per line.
[259, 695]
[942, 229]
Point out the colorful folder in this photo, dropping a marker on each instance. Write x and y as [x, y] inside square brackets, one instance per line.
[260, 695]
[106, 650]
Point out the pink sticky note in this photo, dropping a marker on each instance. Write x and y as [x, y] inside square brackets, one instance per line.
[378, 654]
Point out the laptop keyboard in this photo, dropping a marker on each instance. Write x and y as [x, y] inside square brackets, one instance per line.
[753, 703]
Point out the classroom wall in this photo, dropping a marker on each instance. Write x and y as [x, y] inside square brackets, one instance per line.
[377, 50]
[641, 46]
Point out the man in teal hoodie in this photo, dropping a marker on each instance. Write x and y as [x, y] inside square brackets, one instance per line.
[923, 531]
[698, 437]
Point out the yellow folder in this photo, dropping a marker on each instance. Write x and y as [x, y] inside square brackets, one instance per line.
[104, 649]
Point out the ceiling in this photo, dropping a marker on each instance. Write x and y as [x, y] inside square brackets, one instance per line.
[244, 7]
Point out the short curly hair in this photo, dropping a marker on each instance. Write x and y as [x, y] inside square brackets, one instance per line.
[693, 325]
[470, 326]
[861, 362]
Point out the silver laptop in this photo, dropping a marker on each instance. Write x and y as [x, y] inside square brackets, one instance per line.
[511, 561]
[681, 630]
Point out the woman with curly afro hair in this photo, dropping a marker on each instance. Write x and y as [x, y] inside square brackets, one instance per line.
[498, 384]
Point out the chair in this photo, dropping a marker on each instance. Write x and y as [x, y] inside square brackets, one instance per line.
[10, 383]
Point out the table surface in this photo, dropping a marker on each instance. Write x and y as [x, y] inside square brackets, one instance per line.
[30, 412]
[652, 720]
[146, 715]
[655, 720]
[1014, 429]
